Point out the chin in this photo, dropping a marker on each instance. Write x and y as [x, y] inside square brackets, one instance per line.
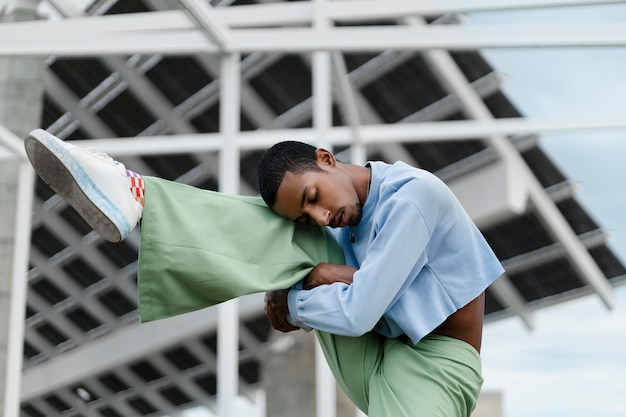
[356, 219]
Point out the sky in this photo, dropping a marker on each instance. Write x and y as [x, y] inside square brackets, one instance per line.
[574, 361]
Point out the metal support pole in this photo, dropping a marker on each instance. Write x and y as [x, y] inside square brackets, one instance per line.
[228, 317]
[325, 386]
[15, 341]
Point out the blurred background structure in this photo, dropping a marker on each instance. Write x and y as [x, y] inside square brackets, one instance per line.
[194, 91]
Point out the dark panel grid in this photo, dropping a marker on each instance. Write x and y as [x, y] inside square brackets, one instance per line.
[243, 2]
[81, 75]
[146, 371]
[182, 358]
[171, 167]
[128, 6]
[121, 253]
[73, 218]
[542, 166]
[208, 383]
[109, 412]
[113, 383]
[30, 351]
[401, 92]
[209, 184]
[259, 326]
[210, 342]
[42, 190]
[472, 64]
[248, 167]
[175, 396]
[355, 60]
[284, 84]
[249, 371]
[611, 266]
[433, 156]
[578, 218]
[500, 106]
[51, 334]
[57, 403]
[126, 116]
[546, 280]
[117, 303]
[49, 291]
[31, 411]
[30, 312]
[142, 406]
[178, 78]
[492, 305]
[517, 236]
[50, 112]
[83, 319]
[46, 241]
[209, 121]
[83, 274]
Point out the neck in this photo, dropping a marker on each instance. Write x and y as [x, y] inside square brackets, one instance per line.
[361, 178]
[365, 179]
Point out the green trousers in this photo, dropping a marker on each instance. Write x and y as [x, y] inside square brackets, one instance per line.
[199, 248]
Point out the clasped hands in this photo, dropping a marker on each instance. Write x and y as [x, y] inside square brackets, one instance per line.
[276, 306]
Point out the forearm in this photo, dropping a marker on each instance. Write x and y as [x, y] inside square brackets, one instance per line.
[325, 273]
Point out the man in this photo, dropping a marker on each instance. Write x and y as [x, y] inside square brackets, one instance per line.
[199, 248]
[417, 268]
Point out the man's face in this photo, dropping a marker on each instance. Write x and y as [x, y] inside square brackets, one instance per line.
[323, 198]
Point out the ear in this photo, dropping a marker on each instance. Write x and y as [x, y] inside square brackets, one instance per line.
[325, 157]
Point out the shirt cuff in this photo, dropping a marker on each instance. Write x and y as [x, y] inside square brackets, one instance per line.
[292, 318]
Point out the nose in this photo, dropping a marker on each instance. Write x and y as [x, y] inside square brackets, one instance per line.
[320, 216]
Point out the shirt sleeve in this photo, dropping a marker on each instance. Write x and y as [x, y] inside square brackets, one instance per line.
[394, 257]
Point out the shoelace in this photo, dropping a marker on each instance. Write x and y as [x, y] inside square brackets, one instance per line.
[101, 155]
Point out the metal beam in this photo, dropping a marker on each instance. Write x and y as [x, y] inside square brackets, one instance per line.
[451, 37]
[506, 293]
[385, 9]
[370, 134]
[40, 41]
[301, 13]
[12, 143]
[201, 12]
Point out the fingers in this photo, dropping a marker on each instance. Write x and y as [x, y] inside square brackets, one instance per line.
[276, 310]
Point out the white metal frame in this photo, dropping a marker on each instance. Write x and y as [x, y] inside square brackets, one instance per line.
[230, 32]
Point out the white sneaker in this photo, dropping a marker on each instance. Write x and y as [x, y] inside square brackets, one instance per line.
[94, 184]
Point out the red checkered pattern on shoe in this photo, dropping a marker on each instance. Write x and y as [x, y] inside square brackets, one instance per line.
[136, 186]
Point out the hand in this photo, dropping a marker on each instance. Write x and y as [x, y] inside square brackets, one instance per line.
[324, 274]
[277, 310]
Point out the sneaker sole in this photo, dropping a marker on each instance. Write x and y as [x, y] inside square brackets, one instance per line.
[57, 168]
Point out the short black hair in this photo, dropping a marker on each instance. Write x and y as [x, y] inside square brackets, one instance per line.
[287, 156]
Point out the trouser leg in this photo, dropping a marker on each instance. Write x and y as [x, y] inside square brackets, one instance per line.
[199, 248]
[438, 377]
[353, 361]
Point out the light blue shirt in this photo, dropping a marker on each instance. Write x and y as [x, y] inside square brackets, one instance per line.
[419, 257]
